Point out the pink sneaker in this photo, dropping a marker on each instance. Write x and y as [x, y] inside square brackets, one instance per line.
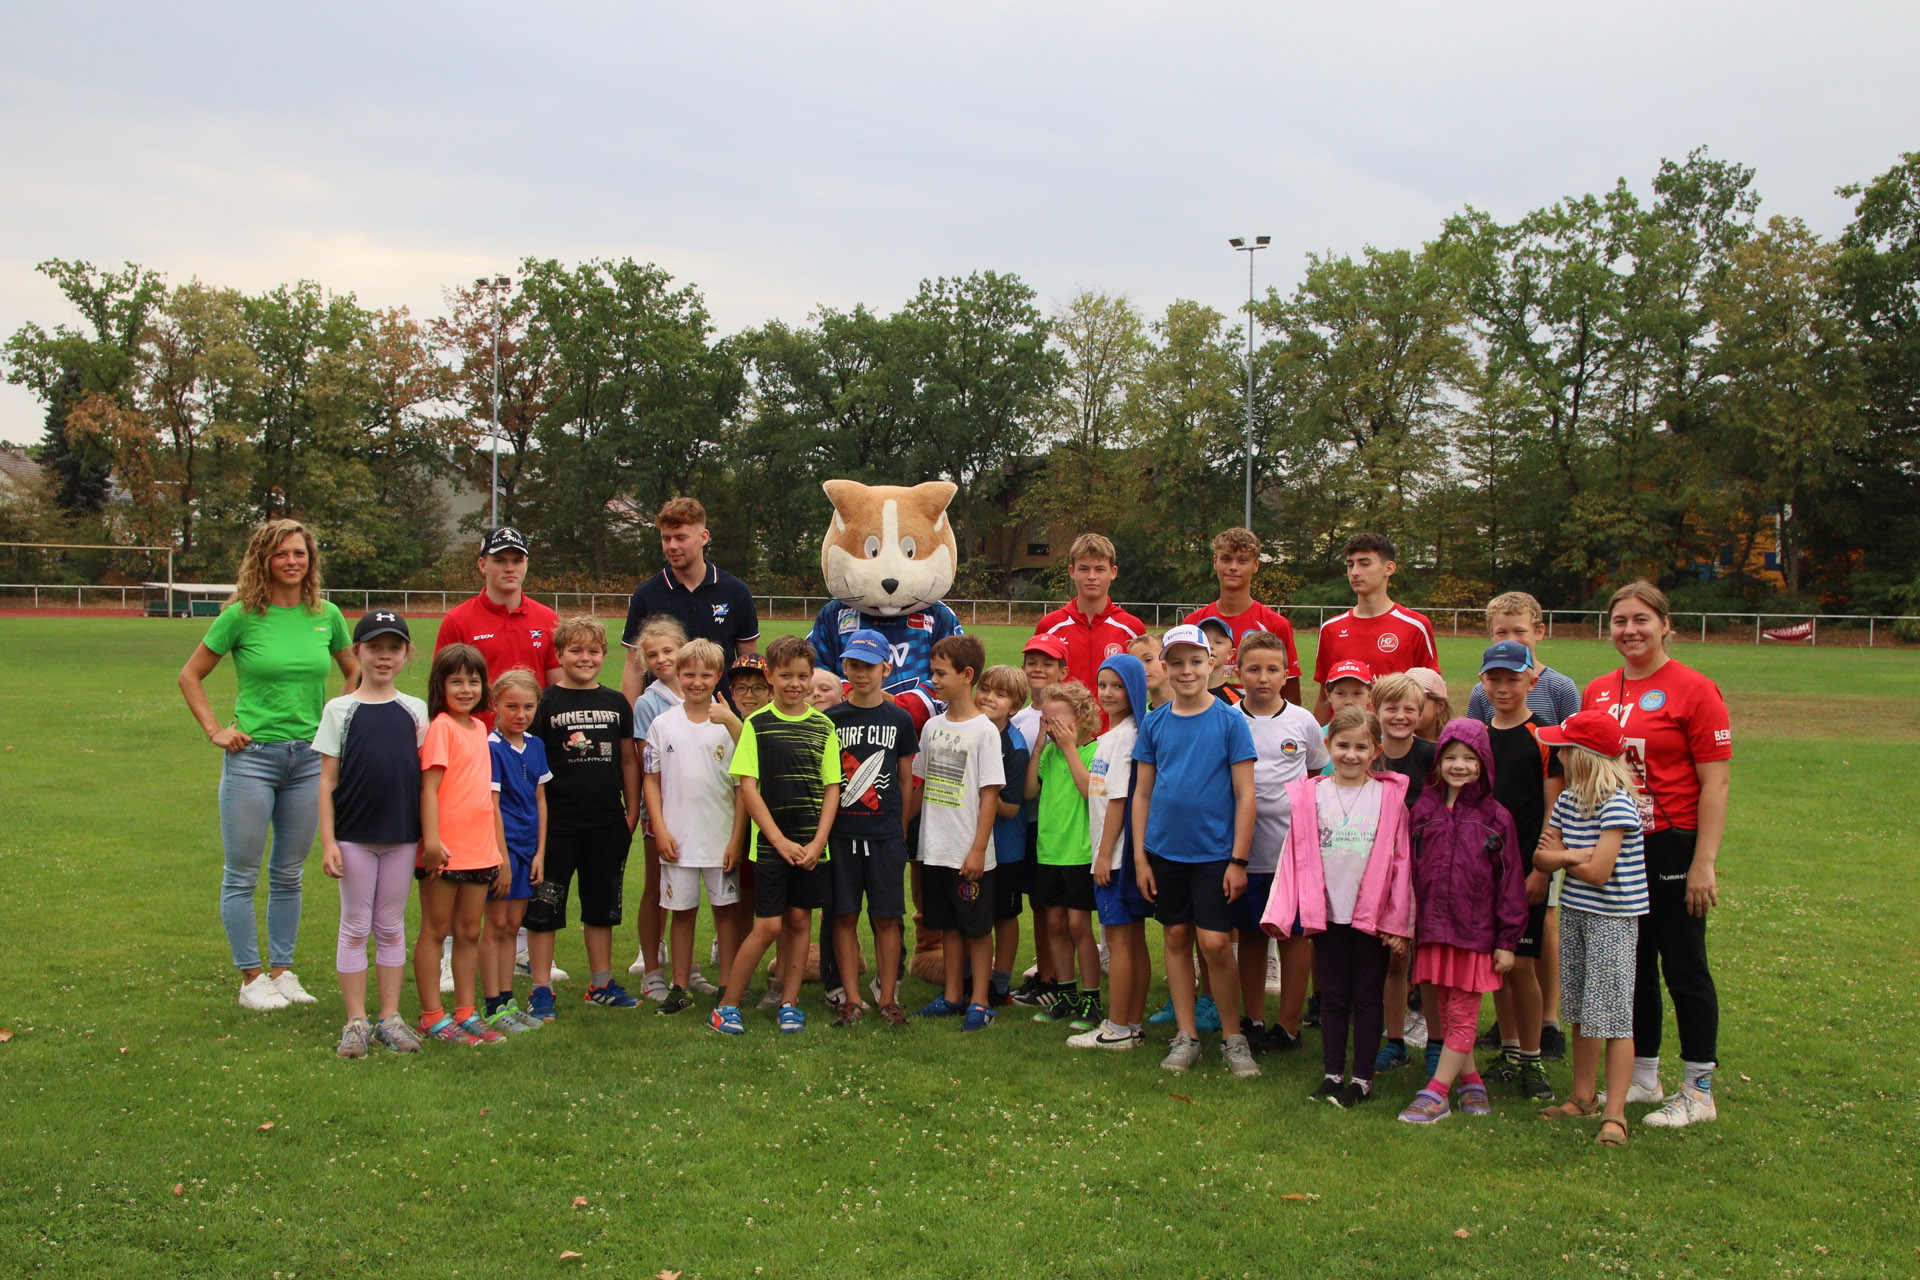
[445, 1028]
[476, 1026]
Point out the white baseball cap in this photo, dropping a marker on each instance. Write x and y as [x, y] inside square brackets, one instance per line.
[1185, 633]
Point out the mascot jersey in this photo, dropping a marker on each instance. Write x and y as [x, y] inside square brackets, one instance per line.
[910, 637]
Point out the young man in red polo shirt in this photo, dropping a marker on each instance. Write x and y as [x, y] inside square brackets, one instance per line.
[508, 629]
[1091, 625]
[1236, 558]
[1386, 636]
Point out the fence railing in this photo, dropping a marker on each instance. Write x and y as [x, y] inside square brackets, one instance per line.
[1853, 630]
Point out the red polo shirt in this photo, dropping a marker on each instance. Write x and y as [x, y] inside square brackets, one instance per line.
[1091, 638]
[521, 637]
[1398, 640]
[1257, 618]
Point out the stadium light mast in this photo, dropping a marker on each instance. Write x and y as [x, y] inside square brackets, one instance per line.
[494, 288]
[1241, 246]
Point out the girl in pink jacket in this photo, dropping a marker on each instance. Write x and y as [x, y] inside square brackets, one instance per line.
[1345, 880]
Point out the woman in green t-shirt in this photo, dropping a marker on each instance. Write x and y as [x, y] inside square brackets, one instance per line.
[283, 638]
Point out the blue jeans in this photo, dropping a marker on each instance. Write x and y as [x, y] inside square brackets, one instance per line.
[266, 786]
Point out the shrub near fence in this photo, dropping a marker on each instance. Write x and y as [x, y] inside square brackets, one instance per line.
[1829, 629]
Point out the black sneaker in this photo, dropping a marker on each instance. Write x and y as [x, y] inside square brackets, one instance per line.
[1533, 1081]
[678, 1000]
[1280, 1040]
[1490, 1038]
[1030, 992]
[1553, 1043]
[1087, 1013]
[997, 997]
[1256, 1035]
[1065, 1004]
[1311, 1018]
[1502, 1069]
[1351, 1095]
[1328, 1091]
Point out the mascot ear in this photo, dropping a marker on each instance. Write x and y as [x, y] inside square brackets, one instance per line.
[932, 498]
[843, 494]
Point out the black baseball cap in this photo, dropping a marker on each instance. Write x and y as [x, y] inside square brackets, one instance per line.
[381, 622]
[505, 538]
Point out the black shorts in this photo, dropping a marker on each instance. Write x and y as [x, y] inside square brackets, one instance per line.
[873, 869]
[1191, 893]
[948, 902]
[1009, 887]
[1529, 944]
[778, 885]
[481, 875]
[1069, 887]
[599, 857]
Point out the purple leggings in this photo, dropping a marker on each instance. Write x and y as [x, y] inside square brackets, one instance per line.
[1350, 973]
[374, 883]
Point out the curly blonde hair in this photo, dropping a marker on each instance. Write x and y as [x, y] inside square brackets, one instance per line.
[253, 587]
[1086, 712]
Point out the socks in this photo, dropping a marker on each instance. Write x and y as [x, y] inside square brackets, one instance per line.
[430, 1016]
[1527, 1056]
[1550, 1022]
[1366, 1086]
[1091, 995]
[601, 978]
[1001, 981]
[1437, 1089]
[1398, 1042]
[1699, 1075]
[495, 1004]
[462, 1012]
[1470, 1077]
[1134, 1028]
[1646, 1073]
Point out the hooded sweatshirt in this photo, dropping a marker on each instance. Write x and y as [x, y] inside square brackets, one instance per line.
[1469, 872]
[1298, 903]
[1112, 770]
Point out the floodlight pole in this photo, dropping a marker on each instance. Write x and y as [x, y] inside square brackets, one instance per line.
[493, 288]
[1241, 246]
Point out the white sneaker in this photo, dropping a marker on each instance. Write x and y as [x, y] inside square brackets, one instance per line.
[639, 964]
[1688, 1105]
[1108, 1035]
[654, 987]
[523, 967]
[1417, 1033]
[698, 984]
[556, 973]
[1638, 1093]
[1182, 1054]
[446, 974]
[289, 986]
[261, 995]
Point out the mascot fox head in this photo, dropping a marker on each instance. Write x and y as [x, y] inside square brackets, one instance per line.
[889, 549]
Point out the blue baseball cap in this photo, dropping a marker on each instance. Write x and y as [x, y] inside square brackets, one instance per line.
[867, 645]
[1506, 655]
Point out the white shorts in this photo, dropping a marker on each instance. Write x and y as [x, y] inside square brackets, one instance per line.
[680, 886]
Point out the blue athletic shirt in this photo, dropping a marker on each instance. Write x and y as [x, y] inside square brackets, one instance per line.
[515, 775]
[1190, 815]
[910, 636]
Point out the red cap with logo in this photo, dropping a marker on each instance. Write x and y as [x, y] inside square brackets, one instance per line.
[1052, 646]
[1594, 731]
[1350, 670]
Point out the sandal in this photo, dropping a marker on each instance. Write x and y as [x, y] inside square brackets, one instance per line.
[1573, 1109]
[1613, 1132]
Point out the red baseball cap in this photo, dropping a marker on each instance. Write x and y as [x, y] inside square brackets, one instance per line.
[1052, 646]
[1350, 670]
[1594, 731]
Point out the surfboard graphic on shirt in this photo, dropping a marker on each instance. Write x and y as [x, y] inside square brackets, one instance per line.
[860, 789]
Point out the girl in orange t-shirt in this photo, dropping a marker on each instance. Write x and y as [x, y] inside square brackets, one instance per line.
[462, 847]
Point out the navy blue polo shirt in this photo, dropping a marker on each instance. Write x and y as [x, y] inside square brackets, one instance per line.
[720, 609]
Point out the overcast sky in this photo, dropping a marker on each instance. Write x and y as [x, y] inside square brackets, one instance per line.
[784, 156]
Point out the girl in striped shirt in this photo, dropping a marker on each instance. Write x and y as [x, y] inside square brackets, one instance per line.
[1594, 832]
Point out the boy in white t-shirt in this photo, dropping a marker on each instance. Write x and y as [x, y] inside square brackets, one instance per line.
[697, 814]
[961, 771]
[1288, 745]
[1122, 691]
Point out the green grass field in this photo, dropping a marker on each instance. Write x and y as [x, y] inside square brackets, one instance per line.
[153, 1128]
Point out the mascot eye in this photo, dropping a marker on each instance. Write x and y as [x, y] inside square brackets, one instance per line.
[873, 548]
[906, 547]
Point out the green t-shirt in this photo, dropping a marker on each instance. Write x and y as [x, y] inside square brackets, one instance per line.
[794, 759]
[1066, 839]
[281, 658]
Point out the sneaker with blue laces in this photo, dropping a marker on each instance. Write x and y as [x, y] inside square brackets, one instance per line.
[1392, 1057]
[791, 1019]
[979, 1018]
[1206, 1015]
[613, 995]
[540, 1004]
[939, 1007]
[726, 1020]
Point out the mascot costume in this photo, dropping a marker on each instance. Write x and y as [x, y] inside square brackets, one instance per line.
[888, 558]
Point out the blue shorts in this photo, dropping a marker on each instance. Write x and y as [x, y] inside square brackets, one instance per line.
[522, 886]
[1119, 901]
[1247, 909]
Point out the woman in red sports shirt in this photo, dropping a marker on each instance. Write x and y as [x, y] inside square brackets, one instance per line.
[1680, 745]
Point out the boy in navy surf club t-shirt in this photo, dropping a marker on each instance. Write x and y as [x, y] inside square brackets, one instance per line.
[869, 844]
[1193, 818]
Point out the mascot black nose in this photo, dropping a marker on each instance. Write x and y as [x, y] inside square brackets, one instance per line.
[889, 585]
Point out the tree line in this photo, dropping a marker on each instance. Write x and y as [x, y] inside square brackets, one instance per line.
[1621, 384]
